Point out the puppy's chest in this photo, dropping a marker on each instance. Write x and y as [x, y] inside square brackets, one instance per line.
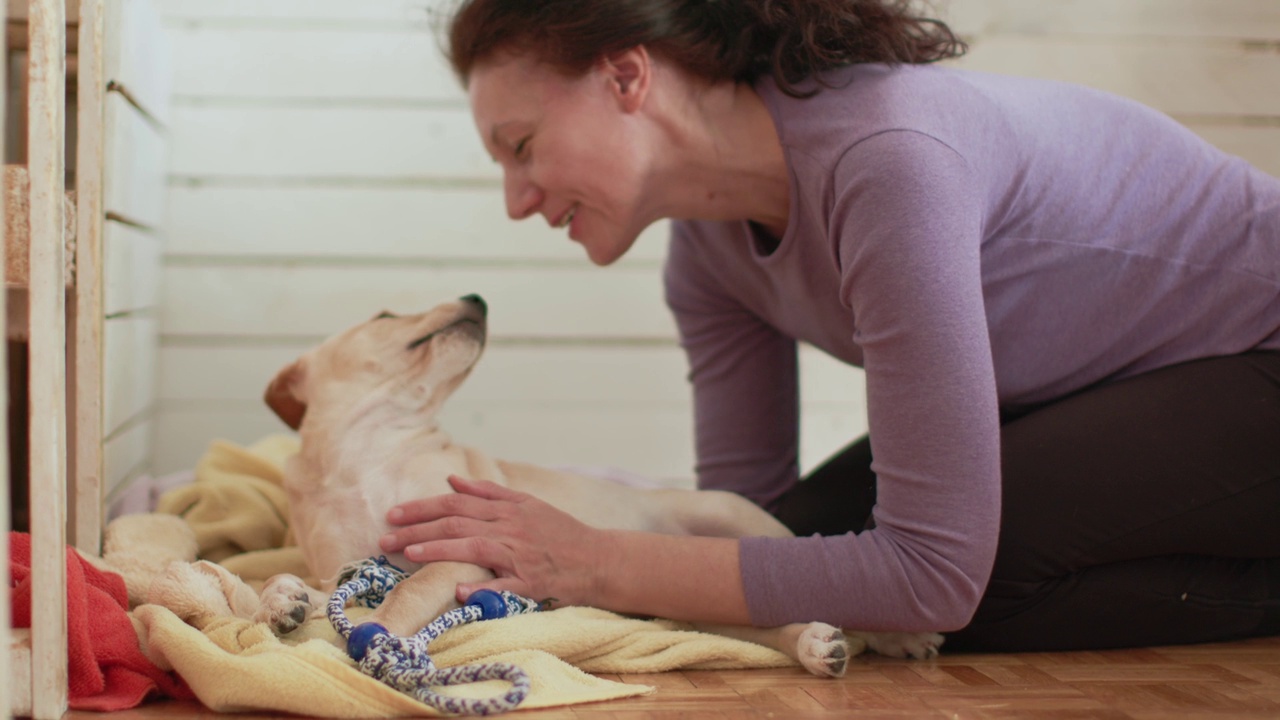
[334, 523]
[351, 510]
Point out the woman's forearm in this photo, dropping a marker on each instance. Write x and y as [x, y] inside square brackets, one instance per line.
[687, 578]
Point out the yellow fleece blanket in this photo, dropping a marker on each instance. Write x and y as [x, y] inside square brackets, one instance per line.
[238, 510]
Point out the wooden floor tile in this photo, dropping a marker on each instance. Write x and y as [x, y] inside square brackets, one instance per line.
[1228, 681]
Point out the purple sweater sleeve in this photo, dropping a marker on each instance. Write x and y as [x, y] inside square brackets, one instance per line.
[905, 231]
[745, 390]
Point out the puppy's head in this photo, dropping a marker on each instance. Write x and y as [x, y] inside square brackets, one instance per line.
[390, 366]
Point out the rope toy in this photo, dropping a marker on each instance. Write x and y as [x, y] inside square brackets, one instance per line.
[403, 662]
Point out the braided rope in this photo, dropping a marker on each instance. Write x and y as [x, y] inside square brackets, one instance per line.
[403, 662]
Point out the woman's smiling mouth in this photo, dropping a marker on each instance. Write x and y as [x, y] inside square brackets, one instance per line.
[567, 217]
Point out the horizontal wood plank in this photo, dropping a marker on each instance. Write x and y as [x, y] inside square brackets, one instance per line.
[227, 65]
[521, 375]
[1121, 18]
[1238, 680]
[135, 157]
[1215, 79]
[365, 221]
[350, 63]
[129, 362]
[296, 12]
[436, 146]
[131, 274]
[125, 456]
[333, 142]
[300, 300]
[655, 440]
[1148, 40]
[1259, 144]
[622, 407]
[136, 55]
[1169, 18]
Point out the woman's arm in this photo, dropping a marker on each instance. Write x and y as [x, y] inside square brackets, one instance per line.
[541, 552]
[743, 372]
[907, 225]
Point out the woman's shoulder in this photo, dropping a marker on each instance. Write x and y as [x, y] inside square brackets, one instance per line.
[987, 118]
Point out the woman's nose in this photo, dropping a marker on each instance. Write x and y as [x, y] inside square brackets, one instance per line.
[523, 197]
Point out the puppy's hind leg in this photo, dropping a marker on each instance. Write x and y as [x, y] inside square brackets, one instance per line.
[910, 646]
[820, 648]
[718, 513]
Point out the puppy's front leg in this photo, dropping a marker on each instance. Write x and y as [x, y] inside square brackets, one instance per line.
[287, 601]
[424, 595]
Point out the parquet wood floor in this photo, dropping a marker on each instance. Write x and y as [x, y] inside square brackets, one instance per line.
[1230, 681]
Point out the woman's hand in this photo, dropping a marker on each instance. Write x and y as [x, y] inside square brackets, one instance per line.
[534, 549]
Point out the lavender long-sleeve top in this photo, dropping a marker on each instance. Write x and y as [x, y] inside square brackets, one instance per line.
[975, 242]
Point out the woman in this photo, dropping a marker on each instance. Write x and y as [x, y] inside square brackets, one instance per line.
[1067, 307]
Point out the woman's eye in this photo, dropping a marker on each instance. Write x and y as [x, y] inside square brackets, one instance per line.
[521, 147]
[384, 315]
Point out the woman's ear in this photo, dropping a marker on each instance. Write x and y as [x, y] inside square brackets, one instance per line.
[629, 73]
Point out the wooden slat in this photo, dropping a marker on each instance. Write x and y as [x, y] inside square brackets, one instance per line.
[48, 454]
[131, 272]
[368, 221]
[128, 369]
[16, 680]
[12, 684]
[17, 222]
[88, 310]
[305, 300]
[18, 11]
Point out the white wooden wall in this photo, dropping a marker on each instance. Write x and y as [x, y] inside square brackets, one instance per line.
[134, 195]
[324, 167]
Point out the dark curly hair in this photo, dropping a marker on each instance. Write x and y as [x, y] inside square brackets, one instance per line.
[717, 40]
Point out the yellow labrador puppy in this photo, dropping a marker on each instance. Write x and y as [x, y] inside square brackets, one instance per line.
[365, 404]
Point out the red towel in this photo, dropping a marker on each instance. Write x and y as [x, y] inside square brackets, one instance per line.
[106, 670]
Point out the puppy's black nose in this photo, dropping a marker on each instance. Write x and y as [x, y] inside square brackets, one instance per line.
[478, 301]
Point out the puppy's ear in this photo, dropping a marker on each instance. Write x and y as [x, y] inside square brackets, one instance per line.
[282, 395]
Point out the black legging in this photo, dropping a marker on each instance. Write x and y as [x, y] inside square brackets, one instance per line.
[1140, 512]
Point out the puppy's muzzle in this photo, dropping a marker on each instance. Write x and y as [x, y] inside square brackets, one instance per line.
[477, 301]
[475, 324]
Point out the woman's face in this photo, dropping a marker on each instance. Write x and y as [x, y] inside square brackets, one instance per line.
[569, 149]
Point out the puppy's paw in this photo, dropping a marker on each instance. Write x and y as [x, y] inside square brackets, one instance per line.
[823, 650]
[285, 603]
[911, 646]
